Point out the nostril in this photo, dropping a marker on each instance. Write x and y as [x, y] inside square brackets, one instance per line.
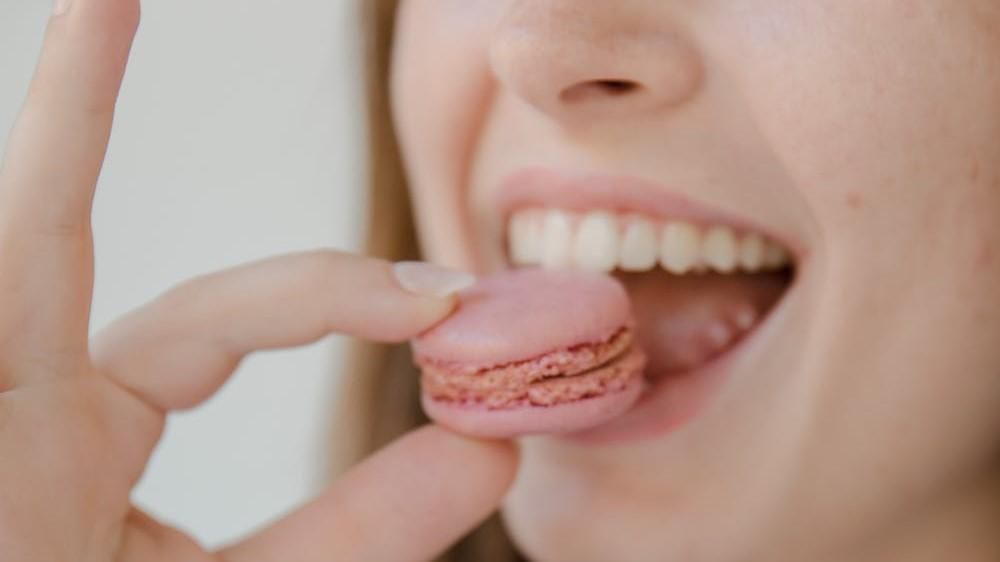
[615, 87]
[598, 89]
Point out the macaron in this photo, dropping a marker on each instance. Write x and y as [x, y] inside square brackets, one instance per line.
[528, 352]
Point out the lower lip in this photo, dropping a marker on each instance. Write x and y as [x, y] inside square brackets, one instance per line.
[669, 402]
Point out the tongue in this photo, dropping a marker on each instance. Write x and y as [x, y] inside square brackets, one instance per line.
[685, 321]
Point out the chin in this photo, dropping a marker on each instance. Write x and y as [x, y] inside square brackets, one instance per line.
[573, 504]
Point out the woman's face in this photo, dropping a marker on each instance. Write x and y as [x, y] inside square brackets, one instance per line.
[860, 414]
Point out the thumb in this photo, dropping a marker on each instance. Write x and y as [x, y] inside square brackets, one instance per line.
[410, 501]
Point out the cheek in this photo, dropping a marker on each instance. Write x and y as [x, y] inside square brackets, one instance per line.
[890, 126]
[871, 105]
[440, 88]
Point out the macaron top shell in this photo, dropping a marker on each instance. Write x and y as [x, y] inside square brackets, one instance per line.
[524, 313]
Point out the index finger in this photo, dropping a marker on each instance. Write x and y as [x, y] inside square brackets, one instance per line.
[47, 180]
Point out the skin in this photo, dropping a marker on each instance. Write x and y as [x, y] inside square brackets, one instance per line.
[866, 424]
[79, 416]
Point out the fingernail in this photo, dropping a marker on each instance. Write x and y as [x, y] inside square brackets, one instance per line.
[430, 280]
[60, 8]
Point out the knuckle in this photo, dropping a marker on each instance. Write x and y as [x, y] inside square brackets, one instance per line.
[322, 270]
[328, 262]
[119, 17]
[66, 228]
[342, 270]
[136, 14]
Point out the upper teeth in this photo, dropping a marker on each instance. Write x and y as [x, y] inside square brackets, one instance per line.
[603, 241]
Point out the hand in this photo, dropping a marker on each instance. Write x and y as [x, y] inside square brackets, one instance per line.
[79, 418]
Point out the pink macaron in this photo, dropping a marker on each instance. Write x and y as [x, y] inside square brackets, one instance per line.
[530, 351]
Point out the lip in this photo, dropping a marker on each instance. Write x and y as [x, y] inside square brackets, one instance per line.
[549, 188]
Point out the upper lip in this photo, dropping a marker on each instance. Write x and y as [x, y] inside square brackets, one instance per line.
[538, 187]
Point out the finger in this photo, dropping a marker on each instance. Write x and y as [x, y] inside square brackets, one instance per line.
[410, 501]
[144, 539]
[179, 349]
[47, 181]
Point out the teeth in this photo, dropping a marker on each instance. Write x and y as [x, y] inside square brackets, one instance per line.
[680, 247]
[775, 257]
[525, 237]
[603, 241]
[752, 252]
[639, 246]
[596, 246]
[719, 249]
[557, 240]
[719, 334]
[745, 318]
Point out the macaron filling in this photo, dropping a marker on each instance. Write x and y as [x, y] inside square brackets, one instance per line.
[579, 372]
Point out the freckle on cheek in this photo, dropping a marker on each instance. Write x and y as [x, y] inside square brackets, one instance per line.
[855, 200]
[974, 171]
[984, 257]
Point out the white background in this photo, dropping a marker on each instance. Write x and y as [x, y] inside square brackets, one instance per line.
[238, 136]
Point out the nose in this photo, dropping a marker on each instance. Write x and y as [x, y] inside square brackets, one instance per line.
[586, 60]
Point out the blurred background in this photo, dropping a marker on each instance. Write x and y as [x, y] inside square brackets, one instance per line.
[238, 136]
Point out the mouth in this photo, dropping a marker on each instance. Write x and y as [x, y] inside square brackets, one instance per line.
[701, 282]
